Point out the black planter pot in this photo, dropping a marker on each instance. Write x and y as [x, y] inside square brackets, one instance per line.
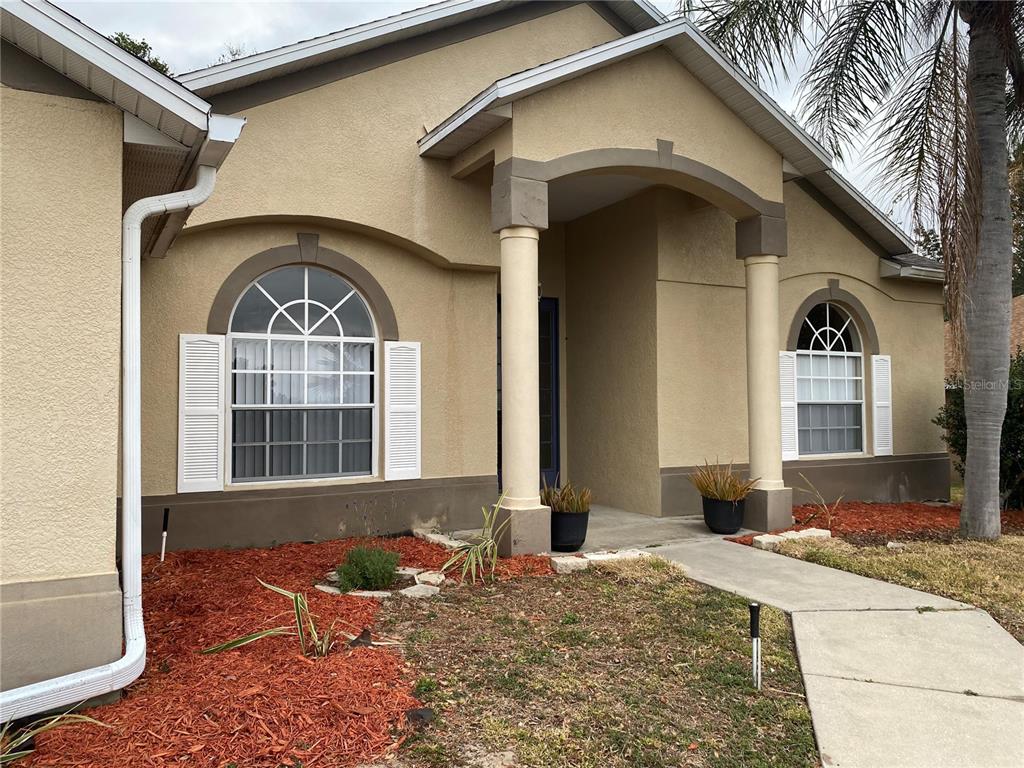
[568, 530]
[723, 516]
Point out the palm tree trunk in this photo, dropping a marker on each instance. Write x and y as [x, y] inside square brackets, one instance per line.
[987, 313]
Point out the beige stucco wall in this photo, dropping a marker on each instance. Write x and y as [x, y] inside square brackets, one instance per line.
[611, 270]
[341, 151]
[451, 312]
[701, 333]
[632, 104]
[60, 213]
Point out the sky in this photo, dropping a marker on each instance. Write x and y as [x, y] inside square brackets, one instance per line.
[192, 35]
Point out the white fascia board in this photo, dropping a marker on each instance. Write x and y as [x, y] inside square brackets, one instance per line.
[890, 269]
[288, 54]
[76, 37]
[546, 75]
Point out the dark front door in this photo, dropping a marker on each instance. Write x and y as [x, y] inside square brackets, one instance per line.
[549, 390]
[548, 384]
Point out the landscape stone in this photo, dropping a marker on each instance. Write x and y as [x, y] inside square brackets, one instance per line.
[433, 578]
[768, 541]
[813, 533]
[328, 589]
[569, 564]
[376, 594]
[434, 537]
[897, 545]
[408, 570]
[418, 591]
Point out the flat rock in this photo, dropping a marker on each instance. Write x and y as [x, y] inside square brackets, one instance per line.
[375, 594]
[812, 533]
[328, 589]
[768, 541]
[897, 545]
[434, 537]
[433, 578]
[569, 564]
[419, 591]
[407, 570]
[331, 576]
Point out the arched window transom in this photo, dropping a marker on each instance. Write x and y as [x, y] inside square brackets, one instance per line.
[830, 383]
[303, 356]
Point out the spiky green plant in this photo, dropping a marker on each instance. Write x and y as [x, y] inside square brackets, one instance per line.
[823, 508]
[312, 641]
[14, 742]
[717, 481]
[480, 558]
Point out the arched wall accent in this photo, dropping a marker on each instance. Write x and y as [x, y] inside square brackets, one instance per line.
[835, 294]
[306, 251]
[661, 165]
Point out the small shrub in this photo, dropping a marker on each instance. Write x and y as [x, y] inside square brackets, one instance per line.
[953, 421]
[367, 568]
[720, 482]
[566, 498]
[479, 559]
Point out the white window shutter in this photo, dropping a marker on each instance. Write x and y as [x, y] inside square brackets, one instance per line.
[787, 399]
[200, 413]
[881, 404]
[401, 410]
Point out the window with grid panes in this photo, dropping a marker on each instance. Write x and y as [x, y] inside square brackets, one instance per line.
[302, 351]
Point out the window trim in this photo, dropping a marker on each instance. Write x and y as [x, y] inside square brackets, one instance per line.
[376, 389]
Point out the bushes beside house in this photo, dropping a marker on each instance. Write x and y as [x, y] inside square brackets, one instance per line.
[953, 421]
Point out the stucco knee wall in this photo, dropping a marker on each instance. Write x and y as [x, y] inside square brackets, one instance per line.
[451, 312]
[60, 244]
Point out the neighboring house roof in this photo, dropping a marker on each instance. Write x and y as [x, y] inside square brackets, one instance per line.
[636, 14]
[1016, 336]
[168, 130]
[805, 156]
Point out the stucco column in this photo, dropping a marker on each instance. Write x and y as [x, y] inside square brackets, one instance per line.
[760, 242]
[519, 212]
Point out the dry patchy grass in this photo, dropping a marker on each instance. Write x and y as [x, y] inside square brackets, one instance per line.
[629, 664]
[987, 574]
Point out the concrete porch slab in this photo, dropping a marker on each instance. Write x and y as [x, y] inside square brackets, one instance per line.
[790, 584]
[937, 650]
[869, 725]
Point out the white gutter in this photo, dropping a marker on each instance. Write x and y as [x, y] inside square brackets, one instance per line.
[63, 692]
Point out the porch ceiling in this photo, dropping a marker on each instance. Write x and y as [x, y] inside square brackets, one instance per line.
[576, 196]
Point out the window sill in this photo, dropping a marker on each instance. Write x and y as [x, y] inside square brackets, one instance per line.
[827, 456]
[304, 483]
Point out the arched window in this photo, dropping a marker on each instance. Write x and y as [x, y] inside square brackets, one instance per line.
[303, 353]
[830, 383]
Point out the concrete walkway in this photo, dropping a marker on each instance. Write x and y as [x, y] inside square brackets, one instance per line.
[895, 678]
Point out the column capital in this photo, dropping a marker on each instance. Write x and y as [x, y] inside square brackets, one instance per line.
[517, 202]
[530, 233]
[761, 236]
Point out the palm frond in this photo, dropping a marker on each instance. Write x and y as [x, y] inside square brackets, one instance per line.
[862, 55]
[762, 36]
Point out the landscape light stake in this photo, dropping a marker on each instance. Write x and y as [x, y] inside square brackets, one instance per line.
[163, 536]
[755, 642]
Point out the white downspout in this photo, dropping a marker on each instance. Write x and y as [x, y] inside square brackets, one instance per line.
[67, 690]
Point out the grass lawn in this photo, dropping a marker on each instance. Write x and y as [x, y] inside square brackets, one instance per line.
[628, 664]
[987, 574]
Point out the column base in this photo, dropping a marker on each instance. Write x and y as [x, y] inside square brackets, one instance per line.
[528, 533]
[768, 510]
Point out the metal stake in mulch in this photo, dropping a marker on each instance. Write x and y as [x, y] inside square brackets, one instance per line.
[755, 642]
[163, 536]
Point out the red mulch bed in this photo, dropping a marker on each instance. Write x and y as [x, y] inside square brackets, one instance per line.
[264, 704]
[865, 523]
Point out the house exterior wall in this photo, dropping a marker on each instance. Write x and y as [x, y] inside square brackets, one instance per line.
[451, 312]
[611, 268]
[347, 150]
[60, 212]
[701, 368]
[601, 109]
